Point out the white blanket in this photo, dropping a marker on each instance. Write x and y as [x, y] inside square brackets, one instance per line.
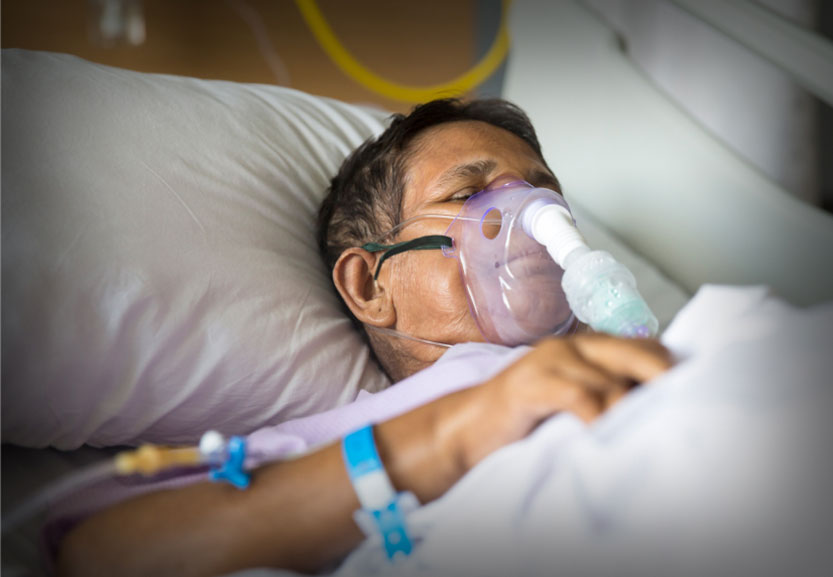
[719, 467]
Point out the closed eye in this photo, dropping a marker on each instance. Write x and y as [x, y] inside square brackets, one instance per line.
[463, 194]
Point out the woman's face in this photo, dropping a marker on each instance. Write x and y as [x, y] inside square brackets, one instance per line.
[448, 164]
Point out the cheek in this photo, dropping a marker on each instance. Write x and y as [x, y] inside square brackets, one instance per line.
[450, 291]
[430, 289]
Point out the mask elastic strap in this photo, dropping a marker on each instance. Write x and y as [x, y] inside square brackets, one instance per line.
[433, 241]
[396, 333]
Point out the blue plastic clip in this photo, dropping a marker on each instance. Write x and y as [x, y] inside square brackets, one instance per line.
[232, 470]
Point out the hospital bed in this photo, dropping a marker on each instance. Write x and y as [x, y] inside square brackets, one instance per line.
[650, 172]
[159, 270]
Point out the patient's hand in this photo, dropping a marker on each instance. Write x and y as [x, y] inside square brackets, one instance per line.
[298, 513]
[584, 375]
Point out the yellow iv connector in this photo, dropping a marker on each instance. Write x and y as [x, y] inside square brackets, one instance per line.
[150, 459]
[227, 457]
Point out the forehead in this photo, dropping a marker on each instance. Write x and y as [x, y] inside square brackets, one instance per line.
[441, 158]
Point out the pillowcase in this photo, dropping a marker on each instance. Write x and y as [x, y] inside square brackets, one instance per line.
[160, 270]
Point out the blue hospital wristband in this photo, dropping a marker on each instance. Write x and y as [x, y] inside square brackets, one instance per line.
[376, 494]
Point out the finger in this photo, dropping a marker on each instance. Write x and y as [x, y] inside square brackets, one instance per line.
[560, 356]
[588, 407]
[612, 398]
[585, 404]
[588, 404]
[553, 394]
[638, 359]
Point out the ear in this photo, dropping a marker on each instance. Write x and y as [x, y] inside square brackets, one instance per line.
[366, 298]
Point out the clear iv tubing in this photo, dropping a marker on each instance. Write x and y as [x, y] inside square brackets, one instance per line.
[56, 491]
[146, 460]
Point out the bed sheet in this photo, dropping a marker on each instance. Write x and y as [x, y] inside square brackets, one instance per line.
[719, 467]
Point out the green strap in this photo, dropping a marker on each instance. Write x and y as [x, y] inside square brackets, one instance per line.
[422, 243]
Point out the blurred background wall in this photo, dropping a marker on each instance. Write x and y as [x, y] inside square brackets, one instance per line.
[266, 41]
[752, 106]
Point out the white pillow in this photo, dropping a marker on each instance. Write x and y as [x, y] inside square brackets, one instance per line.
[160, 272]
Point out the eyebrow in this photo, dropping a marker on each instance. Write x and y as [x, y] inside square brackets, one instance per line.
[539, 177]
[481, 168]
[477, 168]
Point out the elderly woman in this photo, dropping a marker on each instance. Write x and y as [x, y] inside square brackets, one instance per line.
[299, 513]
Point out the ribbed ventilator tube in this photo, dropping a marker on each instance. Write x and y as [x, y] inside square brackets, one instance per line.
[601, 291]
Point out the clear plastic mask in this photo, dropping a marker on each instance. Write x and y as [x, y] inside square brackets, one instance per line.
[513, 285]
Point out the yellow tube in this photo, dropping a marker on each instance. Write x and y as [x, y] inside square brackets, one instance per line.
[150, 459]
[354, 69]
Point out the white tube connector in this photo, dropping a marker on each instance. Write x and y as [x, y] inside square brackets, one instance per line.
[212, 446]
[552, 225]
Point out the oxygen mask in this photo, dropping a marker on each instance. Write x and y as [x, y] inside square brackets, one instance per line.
[513, 244]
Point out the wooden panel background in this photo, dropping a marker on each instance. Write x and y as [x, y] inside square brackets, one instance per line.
[421, 43]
